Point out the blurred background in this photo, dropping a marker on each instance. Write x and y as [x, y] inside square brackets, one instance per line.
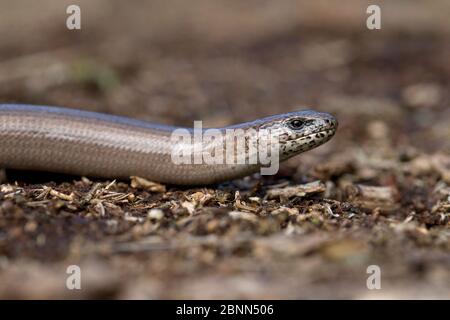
[224, 62]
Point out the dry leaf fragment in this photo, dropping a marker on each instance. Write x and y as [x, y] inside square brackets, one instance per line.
[189, 206]
[242, 205]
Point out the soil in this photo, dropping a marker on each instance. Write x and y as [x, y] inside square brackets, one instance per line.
[377, 194]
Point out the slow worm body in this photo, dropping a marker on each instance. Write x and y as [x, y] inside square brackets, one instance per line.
[93, 144]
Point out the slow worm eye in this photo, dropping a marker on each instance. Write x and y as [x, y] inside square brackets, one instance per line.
[296, 124]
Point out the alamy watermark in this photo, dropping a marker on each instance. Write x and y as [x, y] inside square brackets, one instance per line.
[374, 280]
[232, 146]
[73, 21]
[73, 281]
[373, 21]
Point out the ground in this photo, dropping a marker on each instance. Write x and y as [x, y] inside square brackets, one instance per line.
[377, 194]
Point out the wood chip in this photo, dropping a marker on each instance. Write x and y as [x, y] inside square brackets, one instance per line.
[61, 195]
[372, 197]
[296, 191]
[141, 183]
[243, 215]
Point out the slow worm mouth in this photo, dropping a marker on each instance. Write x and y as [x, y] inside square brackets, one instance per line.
[327, 132]
[321, 135]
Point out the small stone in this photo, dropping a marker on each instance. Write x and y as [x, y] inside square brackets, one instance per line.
[156, 214]
[422, 95]
[378, 130]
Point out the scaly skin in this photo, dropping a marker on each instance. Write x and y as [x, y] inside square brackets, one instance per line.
[93, 144]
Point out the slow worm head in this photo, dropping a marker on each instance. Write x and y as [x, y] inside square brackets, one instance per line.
[93, 144]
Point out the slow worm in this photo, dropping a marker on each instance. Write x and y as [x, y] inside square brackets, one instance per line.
[99, 145]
